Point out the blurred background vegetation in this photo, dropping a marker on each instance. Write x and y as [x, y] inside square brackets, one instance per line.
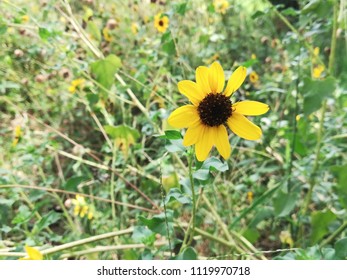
[90, 169]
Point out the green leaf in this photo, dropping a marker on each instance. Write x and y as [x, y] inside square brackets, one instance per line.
[257, 14]
[341, 174]
[315, 91]
[320, 221]
[158, 222]
[46, 220]
[123, 135]
[3, 28]
[105, 69]
[173, 146]
[73, 182]
[187, 254]
[94, 31]
[181, 8]
[284, 203]
[169, 47]
[44, 33]
[341, 248]
[215, 164]
[143, 235]
[172, 135]
[176, 194]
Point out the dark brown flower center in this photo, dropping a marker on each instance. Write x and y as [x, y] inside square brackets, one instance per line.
[215, 109]
[161, 23]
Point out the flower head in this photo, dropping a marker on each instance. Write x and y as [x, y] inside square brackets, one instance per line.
[81, 207]
[317, 71]
[76, 84]
[221, 6]
[212, 111]
[161, 22]
[106, 34]
[33, 254]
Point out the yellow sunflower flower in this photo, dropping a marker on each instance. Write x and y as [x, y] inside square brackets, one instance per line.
[212, 110]
[161, 23]
[33, 254]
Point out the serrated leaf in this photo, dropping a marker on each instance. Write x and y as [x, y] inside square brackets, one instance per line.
[105, 69]
[172, 135]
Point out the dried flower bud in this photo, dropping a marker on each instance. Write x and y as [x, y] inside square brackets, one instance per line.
[40, 78]
[18, 53]
[111, 24]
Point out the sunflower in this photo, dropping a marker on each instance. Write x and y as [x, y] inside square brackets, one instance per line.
[161, 23]
[212, 111]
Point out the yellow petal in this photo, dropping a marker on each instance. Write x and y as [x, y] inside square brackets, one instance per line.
[216, 77]
[201, 76]
[251, 108]
[242, 127]
[222, 141]
[191, 90]
[193, 134]
[33, 253]
[184, 116]
[236, 80]
[205, 143]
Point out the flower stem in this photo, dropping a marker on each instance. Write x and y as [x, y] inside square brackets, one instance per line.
[312, 181]
[188, 237]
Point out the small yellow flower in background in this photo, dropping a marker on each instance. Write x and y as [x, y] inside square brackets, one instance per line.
[317, 71]
[286, 238]
[134, 28]
[253, 77]
[253, 56]
[33, 254]
[81, 207]
[316, 51]
[78, 83]
[161, 23]
[212, 111]
[221, 6]
[17, 135]
[106, 34]
[250, 197]
[25, 19]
